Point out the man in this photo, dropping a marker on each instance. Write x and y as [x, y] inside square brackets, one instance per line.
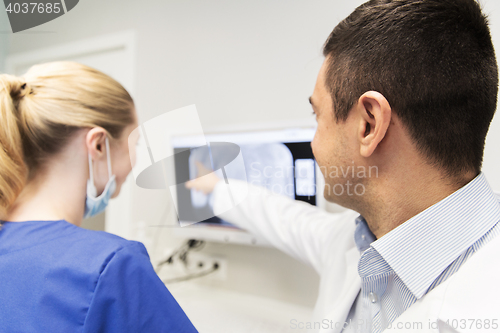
[408, 88]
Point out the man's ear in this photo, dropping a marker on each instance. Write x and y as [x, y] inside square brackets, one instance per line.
[375, 117]
[96, 143]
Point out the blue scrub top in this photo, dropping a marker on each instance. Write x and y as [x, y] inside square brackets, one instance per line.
[57, 277]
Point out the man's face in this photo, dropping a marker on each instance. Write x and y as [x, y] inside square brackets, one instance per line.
[332, 146]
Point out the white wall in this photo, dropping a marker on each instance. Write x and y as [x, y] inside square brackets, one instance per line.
[239, 62]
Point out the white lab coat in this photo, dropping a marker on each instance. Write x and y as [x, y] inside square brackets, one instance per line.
[326, 242]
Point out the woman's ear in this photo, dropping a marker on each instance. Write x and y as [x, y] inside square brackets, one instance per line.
[375, 117]
[96, 143]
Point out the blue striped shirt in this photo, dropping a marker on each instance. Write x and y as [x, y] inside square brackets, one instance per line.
[409, 261]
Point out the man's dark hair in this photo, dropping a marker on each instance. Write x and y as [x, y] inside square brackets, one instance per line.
[434, 62]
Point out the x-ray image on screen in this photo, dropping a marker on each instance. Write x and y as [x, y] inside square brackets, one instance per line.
[285, 168]
[267, 165]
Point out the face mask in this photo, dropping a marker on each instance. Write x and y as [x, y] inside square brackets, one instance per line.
[94, 205]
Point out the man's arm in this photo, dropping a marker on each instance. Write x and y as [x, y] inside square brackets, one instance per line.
[297, 228]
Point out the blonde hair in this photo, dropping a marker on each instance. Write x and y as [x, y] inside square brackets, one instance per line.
[40, 111]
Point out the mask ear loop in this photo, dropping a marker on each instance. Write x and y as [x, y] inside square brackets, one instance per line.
[91, 170]
[108, 154]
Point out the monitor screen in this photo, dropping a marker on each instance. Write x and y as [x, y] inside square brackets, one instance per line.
[281, 161]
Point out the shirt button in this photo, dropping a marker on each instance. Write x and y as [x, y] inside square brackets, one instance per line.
[363, 237]
[372, 297]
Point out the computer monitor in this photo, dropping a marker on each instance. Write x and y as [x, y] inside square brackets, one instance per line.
[279, 160]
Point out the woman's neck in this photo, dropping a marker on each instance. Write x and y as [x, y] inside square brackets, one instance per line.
[57, 193]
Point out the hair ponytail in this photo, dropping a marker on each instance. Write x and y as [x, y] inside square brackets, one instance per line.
[13, 170]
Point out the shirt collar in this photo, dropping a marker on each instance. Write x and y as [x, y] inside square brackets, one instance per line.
[420, 249]
[363, 236]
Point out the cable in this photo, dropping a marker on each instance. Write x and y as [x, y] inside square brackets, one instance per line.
[193, 276]
[182, 252]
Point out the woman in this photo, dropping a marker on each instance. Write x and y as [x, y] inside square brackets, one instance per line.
[63, 154]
